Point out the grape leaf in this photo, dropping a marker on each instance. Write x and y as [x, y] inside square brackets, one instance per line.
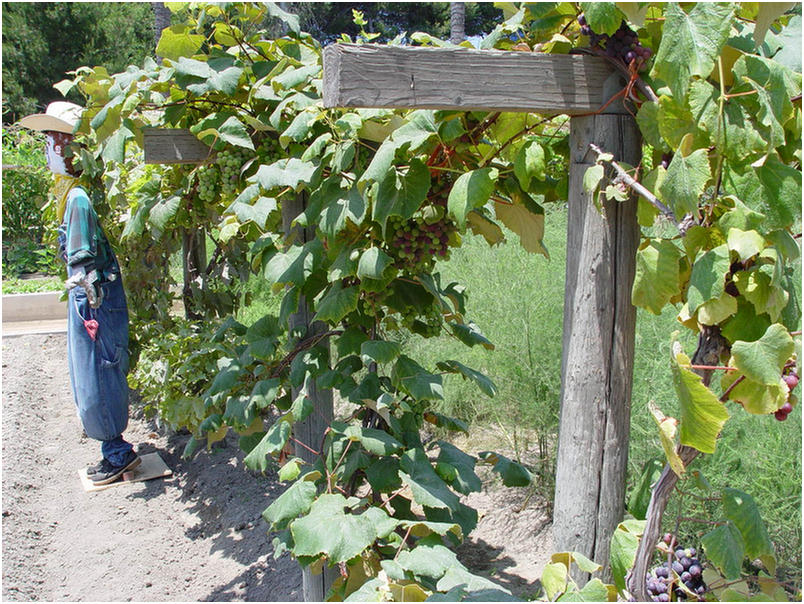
[764, 359]
[177, 42]
[639, 499]
[527, 221]
[481, 225]
[648, 120]
[691, 43]
[469, 334]
[264, 392]
[412, 377]
[513, 474]
[529, 163]
[373, 263]
[296, 500]
[724, 546]
[624, 544]
[215, 75]
[742, 510]
[483, 382]
[263, 336]
[758, 287]
[592, 177]
[554, 580]
[466, 480]
[428, 560]
[401, 194]
[745, 324]
[291, 470]
[602, 17]
[379, 351]
[657, 275]
[756, 398]
[708, 277]
[291, 172]
[486, 591]
[782, 186]
[428, 488]
[667, 436]
[163, 212]
[717, 310]
[273, 442]
[347, 535]
[257, 212]
[675, 120]
[582, 562]
[685, 182]
[745, 243]
[295, 265]
[738, 140]
[702, 414]
[471, 190]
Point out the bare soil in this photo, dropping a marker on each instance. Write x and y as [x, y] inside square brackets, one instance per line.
[196, 536]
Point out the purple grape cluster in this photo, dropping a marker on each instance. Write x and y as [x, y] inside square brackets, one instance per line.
[666, 159]
[684, 569]
[416, 243]
[623, 44]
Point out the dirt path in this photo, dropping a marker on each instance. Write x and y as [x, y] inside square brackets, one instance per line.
[197, 536]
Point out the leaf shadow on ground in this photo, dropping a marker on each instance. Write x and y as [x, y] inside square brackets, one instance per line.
[223, 504]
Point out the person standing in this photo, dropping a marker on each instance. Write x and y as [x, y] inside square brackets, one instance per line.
[97, 323]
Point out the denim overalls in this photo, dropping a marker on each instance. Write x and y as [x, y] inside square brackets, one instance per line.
[98, 367]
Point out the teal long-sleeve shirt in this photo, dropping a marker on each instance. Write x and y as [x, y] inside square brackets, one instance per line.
[86, 244]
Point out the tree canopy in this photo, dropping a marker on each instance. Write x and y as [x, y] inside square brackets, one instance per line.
[43, 41]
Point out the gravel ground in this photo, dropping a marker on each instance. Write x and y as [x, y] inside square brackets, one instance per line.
[196, 536]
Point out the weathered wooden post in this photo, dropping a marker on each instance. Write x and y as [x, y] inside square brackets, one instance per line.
[597, 360]
[309, 433]
[170, 146]
[598, 346]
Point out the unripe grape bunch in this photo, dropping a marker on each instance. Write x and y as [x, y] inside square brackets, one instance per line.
[229, 163]
[416, 244]
[623, 44]
[208, 182]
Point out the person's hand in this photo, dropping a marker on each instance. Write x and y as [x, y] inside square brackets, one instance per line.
[89, 281]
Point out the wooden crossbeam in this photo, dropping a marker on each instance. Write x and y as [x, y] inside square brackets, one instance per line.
[173, 146]
[369, 75]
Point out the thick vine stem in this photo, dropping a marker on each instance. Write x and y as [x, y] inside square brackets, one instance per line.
[630, 181]
[636, 581]
[711, 345]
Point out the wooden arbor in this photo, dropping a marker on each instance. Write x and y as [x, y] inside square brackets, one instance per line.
[599, 320]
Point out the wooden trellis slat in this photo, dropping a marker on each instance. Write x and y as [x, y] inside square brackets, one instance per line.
[173, 146]
[369, 75]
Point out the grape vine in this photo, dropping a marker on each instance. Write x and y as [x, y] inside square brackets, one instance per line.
[389, 194]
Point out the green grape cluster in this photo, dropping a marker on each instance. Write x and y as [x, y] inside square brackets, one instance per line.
[268, 152]
[416, 244]
[427, 324]
[229, 163]
[208, 179]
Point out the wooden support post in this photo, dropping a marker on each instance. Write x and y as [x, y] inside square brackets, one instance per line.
[598, 347]
[310, 432]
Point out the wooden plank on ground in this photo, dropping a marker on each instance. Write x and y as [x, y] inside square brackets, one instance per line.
[369, 75]
[173, 146]
[152, 466]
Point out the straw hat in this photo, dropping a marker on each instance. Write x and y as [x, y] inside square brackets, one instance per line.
[60, 116]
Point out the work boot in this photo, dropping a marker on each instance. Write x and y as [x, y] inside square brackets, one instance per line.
[107, 473]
